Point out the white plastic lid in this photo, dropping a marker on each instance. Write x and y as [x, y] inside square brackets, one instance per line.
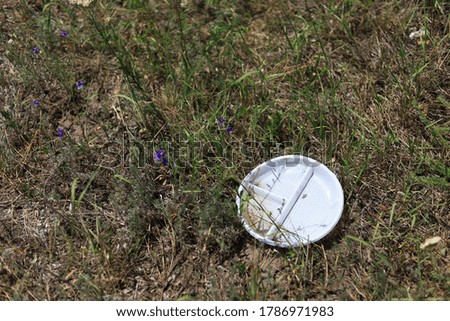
[289, 201]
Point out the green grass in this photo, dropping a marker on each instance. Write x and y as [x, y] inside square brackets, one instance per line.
[94, 216]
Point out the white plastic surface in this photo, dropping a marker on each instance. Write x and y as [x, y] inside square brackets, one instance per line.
[289, 201]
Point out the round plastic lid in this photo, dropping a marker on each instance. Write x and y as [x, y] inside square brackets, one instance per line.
[289, 201]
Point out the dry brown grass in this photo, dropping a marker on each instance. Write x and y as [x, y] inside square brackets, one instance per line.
[339, 81]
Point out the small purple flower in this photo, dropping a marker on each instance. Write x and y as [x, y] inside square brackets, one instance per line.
[229, 129]
[36, 50]
[159, 155]
[221, 121]
[60, 132]
[80, 84]
[64, 33]
[36, 103]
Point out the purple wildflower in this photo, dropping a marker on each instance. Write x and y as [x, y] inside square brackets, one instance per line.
[64, 33]
[80, 84]
[229, 129]
[159, 155]
[60, 132]
[36, 50]
[221, 121]
[35, 103]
